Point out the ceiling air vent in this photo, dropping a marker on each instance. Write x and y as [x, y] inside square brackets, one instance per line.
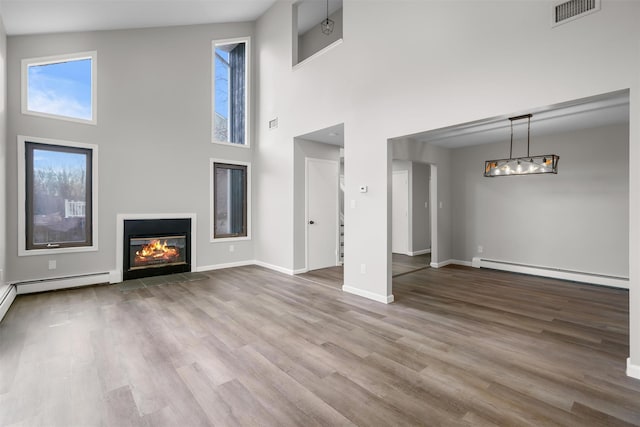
[573, 9]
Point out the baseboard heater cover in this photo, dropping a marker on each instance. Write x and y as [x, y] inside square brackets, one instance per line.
[555, 273]
[28, 287]
[6, 300]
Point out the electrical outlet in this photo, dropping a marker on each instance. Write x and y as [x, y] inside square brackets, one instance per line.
[480, 249]
[353, 204]
[52, 264]
[426, 205]
[440, 205]
[363, 268]
[232, 248]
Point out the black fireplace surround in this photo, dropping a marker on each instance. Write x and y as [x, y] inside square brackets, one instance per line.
[163, 230]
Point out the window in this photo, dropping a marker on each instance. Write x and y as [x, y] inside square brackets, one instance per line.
[62, 87]
[56, 184]
[230, 202]
[230, 91]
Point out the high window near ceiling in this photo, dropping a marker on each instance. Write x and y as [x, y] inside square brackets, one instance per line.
[61, 87]
[57, 182]
[230, 200]
[231, 91]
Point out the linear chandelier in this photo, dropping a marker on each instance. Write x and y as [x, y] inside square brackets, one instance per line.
[529, 165]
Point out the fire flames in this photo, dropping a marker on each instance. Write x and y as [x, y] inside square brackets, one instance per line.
[156, 251]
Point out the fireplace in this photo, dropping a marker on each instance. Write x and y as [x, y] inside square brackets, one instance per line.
[154, 247]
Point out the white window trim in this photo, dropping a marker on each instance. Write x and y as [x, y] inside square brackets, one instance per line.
[212, 206]
[247, 90]
[22, 197]
[93, 55]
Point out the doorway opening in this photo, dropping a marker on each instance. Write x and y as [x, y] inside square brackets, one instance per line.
[411, 217]
[319, 226]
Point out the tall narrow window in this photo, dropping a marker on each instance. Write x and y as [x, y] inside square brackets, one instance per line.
[57, 184]
[230, 91]
[230, 200]
[61, 87]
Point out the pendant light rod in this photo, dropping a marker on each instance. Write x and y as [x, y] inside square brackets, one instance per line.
[326, 26]
[524, 116]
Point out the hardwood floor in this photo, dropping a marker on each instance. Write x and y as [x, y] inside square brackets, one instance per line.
[403, 264]
[248, 346]
[332, 277]
[400, 264]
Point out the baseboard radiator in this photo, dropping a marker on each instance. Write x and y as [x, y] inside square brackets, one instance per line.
[52, 284]
[6, 299]
[556, 273]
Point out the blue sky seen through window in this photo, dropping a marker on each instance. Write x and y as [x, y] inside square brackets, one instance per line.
[59, 161]
[222, 82]
[61, 88]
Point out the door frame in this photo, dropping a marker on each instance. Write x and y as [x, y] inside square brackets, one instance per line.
[434, 206]
[307, 160]
[409, 219]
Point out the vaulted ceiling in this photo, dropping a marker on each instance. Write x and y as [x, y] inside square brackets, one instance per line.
[54, 16]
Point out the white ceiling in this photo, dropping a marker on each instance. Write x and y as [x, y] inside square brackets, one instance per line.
[602, 110]
[333, 135]
[53, 16]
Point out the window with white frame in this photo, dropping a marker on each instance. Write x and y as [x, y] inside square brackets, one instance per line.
[62, 87]
[231, 91]
[230, 199]
[57, 188]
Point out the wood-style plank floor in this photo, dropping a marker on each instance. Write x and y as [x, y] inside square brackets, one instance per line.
[248, 346]
[400, 264]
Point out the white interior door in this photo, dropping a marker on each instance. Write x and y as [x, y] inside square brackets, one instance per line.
[400, 212]
[322, 213]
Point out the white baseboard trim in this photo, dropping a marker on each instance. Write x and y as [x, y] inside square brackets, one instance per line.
[301, 271]
[61, 283]
[274, 267]
[6, 300]
[555, 273]
[385, 299]
[449, 262]
[633, 370]
[203, 268]
[420, 252]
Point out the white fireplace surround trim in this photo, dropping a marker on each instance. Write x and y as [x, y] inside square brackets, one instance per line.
[116, 275]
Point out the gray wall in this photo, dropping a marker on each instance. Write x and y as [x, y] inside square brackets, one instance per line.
[302, 150]
[154, 106]
[421, 235]
[315, 40]
[576, 220]
[419, 217]
[3, 155]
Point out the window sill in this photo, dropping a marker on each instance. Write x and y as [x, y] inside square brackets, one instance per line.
[231, 144]
[63, 118]
[229, 239]
[31, 252]
[318, 53]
